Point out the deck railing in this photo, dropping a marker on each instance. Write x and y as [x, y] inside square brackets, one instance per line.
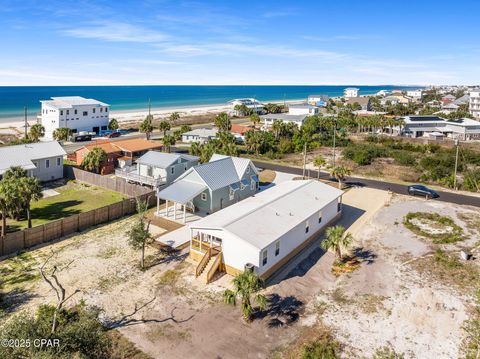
[130, 175]
[214, 268]
[206, 258]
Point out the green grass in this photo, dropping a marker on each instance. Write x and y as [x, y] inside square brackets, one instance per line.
[73, 198]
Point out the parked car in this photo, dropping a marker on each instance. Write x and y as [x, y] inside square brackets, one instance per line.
[417, 189]
[113, 134]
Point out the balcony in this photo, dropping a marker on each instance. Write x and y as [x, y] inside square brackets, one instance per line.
[130, 175]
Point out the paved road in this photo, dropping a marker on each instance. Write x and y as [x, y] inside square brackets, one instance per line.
[394, 187]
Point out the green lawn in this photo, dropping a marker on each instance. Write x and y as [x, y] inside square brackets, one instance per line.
[73, 198]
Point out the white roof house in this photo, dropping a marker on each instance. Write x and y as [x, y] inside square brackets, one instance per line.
[43, 160]
[303, 109]
[463, 129]
[350, 92]
[268, 228]
[283, 117]
[201, 135]
[250, 103]
[72, 101]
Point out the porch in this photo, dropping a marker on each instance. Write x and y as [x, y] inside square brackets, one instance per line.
[129, 173]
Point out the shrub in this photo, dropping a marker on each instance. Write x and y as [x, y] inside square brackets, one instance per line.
[79, 332]
[451, 236]
[286, 146]
[403, 158]
[387, 353]
[324, 348]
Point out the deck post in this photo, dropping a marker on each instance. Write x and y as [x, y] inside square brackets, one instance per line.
[175, 210]
[166, 208]
[200, 237]
[184, 213]
[158, 205]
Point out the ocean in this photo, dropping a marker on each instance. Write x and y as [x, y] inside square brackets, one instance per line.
[123, 98]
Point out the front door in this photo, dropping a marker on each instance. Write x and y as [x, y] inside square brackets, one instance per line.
[221, 203]
[96, 130]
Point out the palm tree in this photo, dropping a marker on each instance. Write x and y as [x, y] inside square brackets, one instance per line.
[174, 117]
[336, 238]
[222, 122]
[246, 288]
[30, 190]
[94, 159]
[62, 134]
[36, 131]
[340, 173]
[8, 200]
[195, 149]
[168, 142]
[164, 127]
[147, 126]
[185, 128]
[113, 124]
[15, 173]
[276, 128]
[319, 161]
[255, 118]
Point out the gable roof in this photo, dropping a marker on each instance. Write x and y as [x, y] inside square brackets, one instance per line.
[239, 163]
[136, 144]
[163, 159]
[359, 100]
[23, 155]
[265, 217]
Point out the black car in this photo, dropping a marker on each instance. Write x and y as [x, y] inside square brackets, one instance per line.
[417, 189]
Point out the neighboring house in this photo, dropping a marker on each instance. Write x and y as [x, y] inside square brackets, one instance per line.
[464, 100]
[212, 186]
[201, 135]
[119, 153]
[474, 103]
[74, 112]
[415, 94]
[318, 100]
[240, 129]
[350, 92]
[282, 117]
[382, 93]
[447, 99]
[449, 108]
[303, 109]
[43, 160]
[464, 129]
[395, 99]
[156, 168]
[364, 102]
[250, 103]
[262, 233]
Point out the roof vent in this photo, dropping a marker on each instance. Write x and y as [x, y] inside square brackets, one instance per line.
[277, 214]
[291, 214]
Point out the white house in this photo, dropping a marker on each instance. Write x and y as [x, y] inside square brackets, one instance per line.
[464, 129]
[415, 94]
[474, 104]
[350, 92]
[318, 100]
[269, 119]
[250, 103]
[264, 231]
[303, 109]
[43, 160]
[201, 135]
[74, 112]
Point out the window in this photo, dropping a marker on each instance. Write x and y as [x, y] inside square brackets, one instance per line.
[59, 159]
[75, 112]
[149, 171]
[253, 184]
[320, 217]
[47, 163]
[85, 113]
[172, 170]
[307, 228]
[61, 112]
[339, 206]
[277, 248]
[101, 109]
[68, 112]
[231, 194]
[204, 196]
[106, 109]
[104, 128]
[93, 110]
[264, 257]
[242, 186]
[248, 169]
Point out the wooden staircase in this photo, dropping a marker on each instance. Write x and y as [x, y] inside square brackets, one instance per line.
[209, 264]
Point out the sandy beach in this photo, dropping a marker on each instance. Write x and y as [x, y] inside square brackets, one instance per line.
[16, 125]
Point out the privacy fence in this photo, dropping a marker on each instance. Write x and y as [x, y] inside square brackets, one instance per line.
[20, 240]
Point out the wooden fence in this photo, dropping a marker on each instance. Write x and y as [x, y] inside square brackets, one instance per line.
[27, 238]
[112, 183]
[30, 237]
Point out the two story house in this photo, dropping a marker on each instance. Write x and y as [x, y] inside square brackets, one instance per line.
[211, 186]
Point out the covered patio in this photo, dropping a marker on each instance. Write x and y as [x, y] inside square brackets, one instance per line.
[178, 199]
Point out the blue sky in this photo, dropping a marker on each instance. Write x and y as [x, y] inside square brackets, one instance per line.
[85, 42]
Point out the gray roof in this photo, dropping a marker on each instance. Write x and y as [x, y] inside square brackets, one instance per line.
[284, 117]
[239, 163]
[24, 155]
[302, 105]
[182, 191]
[359, 100]
[70, 101]
[462, 100]
[202, 132]
[218, 174]
[162, 159]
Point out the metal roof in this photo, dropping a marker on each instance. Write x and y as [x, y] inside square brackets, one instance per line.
[182, 191]
[162, 159]
[284, 117]
[240, 164]
[70, 101]
[265, 217]
[202, 132]
[24, 155]
[218, 174]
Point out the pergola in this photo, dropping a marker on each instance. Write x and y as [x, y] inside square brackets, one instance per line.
[181, 192]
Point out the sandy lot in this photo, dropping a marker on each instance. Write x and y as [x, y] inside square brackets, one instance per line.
[167, 313]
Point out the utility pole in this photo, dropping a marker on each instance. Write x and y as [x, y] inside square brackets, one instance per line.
[26, 124]
[334, 138]
[304, 159]
[457, 143]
